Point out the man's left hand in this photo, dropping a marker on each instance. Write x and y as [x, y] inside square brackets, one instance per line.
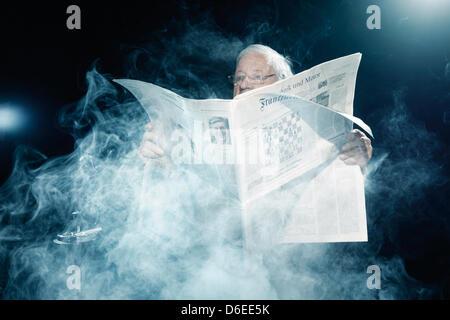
[357, 149]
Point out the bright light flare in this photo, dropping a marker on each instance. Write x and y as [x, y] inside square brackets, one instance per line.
[11, 118]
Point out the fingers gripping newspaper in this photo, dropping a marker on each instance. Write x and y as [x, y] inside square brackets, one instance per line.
[280, 145]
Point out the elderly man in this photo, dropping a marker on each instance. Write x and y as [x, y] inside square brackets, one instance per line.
[258, 66]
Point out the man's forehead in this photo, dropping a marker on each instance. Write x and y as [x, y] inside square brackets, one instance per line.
[252, 62]
[241, 70]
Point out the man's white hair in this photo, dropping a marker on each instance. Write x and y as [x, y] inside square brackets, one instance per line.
[280, 64]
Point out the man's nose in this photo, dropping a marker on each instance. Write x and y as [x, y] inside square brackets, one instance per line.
[245, 84]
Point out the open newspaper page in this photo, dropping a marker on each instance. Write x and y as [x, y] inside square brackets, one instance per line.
[297, 189]
[194, 134]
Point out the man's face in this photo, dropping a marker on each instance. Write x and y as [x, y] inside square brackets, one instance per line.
[252, 64]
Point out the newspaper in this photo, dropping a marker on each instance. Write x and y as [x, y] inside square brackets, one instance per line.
[280, 145]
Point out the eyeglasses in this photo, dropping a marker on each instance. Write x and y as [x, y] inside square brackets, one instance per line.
[253, 79]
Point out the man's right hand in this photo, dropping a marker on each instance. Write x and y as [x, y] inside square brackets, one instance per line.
[150, 149]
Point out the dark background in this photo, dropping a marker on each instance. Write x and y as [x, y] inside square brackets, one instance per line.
[43, 68]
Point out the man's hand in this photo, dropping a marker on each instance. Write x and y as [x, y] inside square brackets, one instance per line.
[150, 149]
[357, 150]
